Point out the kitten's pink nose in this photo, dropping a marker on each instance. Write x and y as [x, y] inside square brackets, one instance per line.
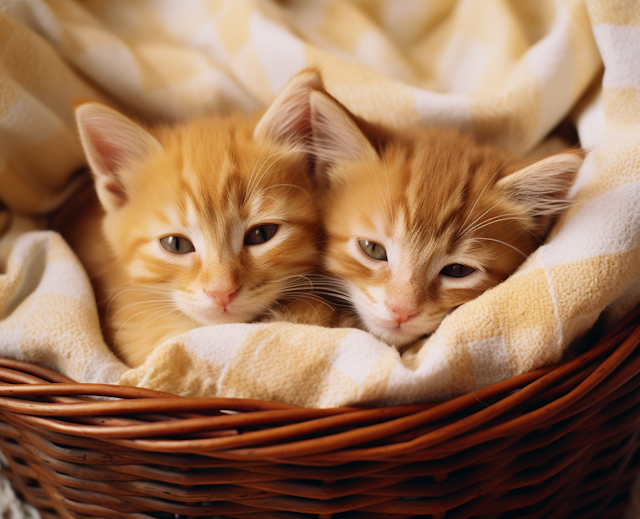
[401, 314]
[223, 296]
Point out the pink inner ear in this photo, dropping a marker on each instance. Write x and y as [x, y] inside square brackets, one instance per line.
[288, 118]
[293, 126]
[301, 131]
[109, 155]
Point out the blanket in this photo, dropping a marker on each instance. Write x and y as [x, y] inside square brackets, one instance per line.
[510, 72]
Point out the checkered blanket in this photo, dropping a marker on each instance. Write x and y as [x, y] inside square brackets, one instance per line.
[507, 71]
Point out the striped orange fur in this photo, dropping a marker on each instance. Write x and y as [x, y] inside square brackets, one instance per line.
[207, 185]
[427, 219]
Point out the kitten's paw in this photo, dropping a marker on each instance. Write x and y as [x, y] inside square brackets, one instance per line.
[318, 313]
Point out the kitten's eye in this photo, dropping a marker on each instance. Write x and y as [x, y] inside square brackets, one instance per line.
[457, 271]
[260, 234]
[373, 250]
[177, 245]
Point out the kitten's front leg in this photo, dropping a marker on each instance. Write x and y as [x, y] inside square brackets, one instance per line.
[318, 313]
[303, 311]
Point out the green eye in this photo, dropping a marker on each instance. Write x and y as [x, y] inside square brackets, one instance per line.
[373, 250]
[260, 234]
[457, 270]
[177, 245]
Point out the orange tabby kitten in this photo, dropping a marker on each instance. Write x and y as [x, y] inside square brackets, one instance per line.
[427, 219]
[207, 222]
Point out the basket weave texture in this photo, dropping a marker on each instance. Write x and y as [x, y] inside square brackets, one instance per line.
[557, 442]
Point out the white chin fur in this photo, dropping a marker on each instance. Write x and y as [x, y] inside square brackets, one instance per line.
[400, 336]
[388, 331]
[218, 316]
[207, 314]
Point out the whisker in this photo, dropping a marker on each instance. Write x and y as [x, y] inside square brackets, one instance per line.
[503, 243]
[309, 296]
[289, 185]
[314, 286]
[491, 221]
[316, 289]
[162, 313]
[150, 302]
[506, 161]
[146, 291]
[339, 296]
[249, 183]
[115, 339]
[463, 231]
[282, 155]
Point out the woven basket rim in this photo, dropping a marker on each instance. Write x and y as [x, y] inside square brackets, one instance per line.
[508, 446]
[46, 400]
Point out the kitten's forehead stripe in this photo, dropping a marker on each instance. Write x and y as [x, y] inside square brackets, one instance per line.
[211, 181]
[432, 200]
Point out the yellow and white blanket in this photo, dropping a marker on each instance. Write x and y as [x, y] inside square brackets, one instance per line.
[510, 71]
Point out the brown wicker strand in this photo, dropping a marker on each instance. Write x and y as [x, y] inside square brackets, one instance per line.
[558, 442]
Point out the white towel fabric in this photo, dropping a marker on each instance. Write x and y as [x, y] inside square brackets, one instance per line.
[508, 71]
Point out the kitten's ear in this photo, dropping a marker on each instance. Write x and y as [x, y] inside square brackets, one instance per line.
[336, 137]
[543, 186]
[288, 117]
[111, 143]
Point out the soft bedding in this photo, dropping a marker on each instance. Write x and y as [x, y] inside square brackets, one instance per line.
[510, 72]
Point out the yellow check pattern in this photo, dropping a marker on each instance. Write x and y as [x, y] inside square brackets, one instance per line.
[509, 71]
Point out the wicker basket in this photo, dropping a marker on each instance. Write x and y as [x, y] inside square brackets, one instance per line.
[557, 442]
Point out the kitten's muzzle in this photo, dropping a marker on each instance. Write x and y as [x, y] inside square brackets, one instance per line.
[401, 314]
[223, 296]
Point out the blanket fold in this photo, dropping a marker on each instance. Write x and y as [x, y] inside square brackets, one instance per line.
[509, 72]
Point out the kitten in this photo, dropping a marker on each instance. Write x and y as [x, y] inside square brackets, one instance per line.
[427, 219]
[206, 222]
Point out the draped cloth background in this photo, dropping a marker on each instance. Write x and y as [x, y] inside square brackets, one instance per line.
[507, 70]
